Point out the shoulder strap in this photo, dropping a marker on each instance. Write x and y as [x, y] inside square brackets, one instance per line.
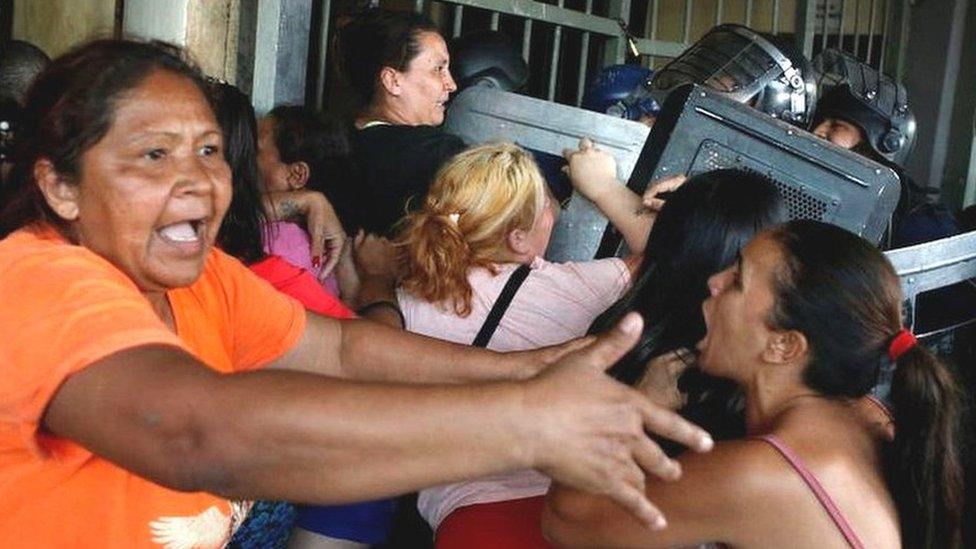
[818, 490]
[515, 280]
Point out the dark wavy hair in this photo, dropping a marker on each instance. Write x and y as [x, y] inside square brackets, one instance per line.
[244, 229]
[70, 108]
[698, 232]
[303, 134]
[842, 294]
[377, 38]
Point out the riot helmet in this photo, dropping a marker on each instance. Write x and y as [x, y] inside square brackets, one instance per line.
[621, 91]
[749, 68]
[860, 94]
[10, 120]
[488, 57]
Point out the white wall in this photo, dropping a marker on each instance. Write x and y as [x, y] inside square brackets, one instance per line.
[159, 19]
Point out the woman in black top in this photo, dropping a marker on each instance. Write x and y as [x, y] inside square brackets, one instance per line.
[397, 63]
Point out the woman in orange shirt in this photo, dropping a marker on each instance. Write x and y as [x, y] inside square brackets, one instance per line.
[150, 385]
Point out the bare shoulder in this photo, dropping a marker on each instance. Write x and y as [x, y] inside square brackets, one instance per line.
[744, 470]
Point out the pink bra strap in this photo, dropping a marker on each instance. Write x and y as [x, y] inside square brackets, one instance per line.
[880, 406]
[818, 490]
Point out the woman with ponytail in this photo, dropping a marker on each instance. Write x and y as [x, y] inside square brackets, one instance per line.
[807, 322]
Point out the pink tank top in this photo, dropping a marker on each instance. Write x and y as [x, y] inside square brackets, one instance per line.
[818, 490]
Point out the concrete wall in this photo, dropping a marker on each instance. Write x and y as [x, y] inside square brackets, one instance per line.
[937, 34]
[57, 25]
[208, 29]
[961, 154]
[212, 34]
[160, 19]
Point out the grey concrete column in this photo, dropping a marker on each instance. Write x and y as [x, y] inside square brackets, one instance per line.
[280, 53]
[932, 66]
[157, 19]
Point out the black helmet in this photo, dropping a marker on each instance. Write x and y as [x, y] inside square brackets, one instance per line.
[861, 95]
[749, 68]
[10, 120]
[490, 57]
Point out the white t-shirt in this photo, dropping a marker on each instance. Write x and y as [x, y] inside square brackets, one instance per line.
[556, 303]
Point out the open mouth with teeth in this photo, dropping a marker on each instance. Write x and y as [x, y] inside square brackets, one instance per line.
[184, 232]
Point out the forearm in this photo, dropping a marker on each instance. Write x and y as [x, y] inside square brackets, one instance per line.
[348, 279]
[571, 518]
[310, 439]
[379, 353]
[625, 211]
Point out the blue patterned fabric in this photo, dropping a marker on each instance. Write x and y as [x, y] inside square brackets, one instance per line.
[267, 526]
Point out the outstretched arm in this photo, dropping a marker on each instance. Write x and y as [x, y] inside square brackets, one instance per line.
[370, 351]
[155, 410]
[593, 173]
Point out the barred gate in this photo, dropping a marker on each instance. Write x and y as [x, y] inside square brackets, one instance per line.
[566, 41]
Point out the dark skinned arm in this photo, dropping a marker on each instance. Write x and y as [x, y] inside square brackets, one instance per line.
[276, 434]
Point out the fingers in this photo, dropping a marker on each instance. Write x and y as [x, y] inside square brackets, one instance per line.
[672, 426]
[652, 459]
[556, 352]
[635, 501]
[574, 345]
[585, 144]
[317, 243]
[335, 245]
[612, 345]
[670, 183]
[650, 198]
[678, 362]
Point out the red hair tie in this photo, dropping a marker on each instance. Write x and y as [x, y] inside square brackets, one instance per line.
[902, 342]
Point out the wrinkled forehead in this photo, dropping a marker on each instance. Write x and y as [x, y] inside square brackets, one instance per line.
[164, 94]
[433, 49]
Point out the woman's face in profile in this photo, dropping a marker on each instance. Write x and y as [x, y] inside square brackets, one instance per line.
[427, 83]
[152, 192]
[737, 310]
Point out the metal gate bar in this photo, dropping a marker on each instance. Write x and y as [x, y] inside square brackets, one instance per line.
[871, 30]
[584, 57]
[458, 17]
[650, 48]
[557, 36]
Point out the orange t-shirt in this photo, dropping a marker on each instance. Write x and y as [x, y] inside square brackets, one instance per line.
[63, 308]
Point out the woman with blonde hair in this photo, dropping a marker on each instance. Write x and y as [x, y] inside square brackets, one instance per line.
[479, 235]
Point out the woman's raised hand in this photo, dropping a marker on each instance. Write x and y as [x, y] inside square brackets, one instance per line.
[324, 228]
[591, 170]
[651, 201]
[375, 256]
[589, 430]
[660, 380]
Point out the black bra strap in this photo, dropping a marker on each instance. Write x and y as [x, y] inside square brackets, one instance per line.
[501, 305]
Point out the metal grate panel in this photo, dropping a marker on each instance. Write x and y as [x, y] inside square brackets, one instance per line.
[801, 201]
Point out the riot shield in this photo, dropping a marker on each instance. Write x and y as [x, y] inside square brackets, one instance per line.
[933, 265]
[480, 114]
[699, 130]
